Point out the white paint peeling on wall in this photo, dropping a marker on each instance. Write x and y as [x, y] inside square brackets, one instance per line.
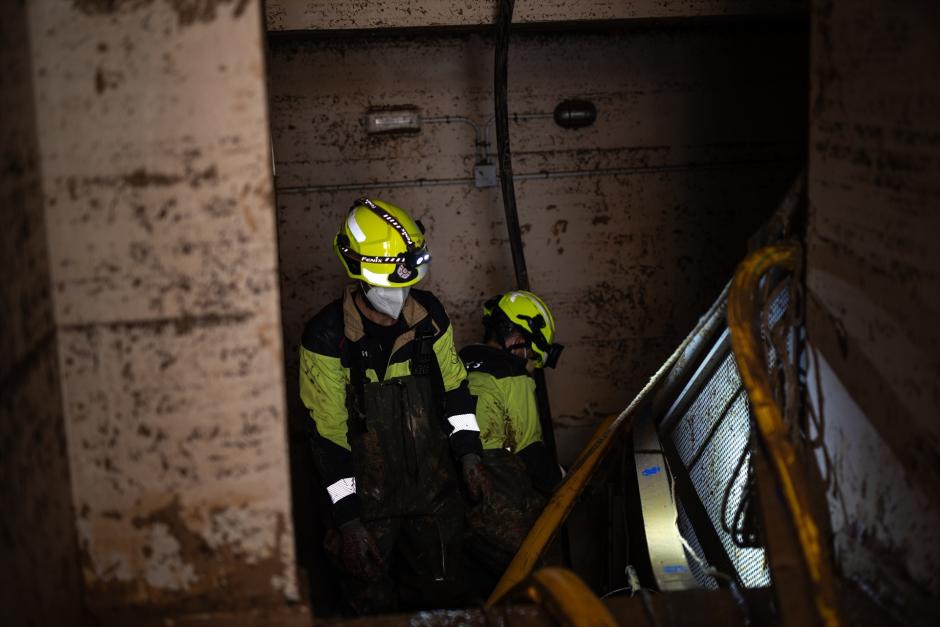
[250, 533]
[286, 582]
[164, 568]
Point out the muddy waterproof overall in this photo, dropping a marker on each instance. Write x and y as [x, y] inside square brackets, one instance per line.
[407, 489]
[496, 527]
[515, 458]
[386, 423]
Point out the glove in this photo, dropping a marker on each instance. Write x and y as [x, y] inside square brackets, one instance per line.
[475, 477]
[359, 554]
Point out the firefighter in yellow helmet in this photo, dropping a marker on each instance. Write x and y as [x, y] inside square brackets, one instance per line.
[391, 413]
[519, 337]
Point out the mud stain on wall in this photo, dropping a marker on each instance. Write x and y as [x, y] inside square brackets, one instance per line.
[188, 12]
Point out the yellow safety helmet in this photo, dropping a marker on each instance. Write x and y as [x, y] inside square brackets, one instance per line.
[529, 314]
[380, 244]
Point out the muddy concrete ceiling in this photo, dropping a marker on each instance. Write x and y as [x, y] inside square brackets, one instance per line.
[287, 15]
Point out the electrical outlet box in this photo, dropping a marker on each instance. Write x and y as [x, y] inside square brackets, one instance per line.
[484, 175]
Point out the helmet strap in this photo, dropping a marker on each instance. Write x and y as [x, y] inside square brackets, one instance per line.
[511, 348]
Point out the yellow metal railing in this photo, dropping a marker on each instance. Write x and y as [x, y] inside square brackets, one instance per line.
[566, 598]
[559, 506]
[743, 313]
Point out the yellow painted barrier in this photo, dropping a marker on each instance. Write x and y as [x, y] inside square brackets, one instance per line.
[743, 314]
[558, 508]
[567, 598]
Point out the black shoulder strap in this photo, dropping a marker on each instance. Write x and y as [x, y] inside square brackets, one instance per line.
[355, 400]
[424, 360]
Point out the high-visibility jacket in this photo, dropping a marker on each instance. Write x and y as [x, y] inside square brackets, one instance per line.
[507, 412]
[336, 348]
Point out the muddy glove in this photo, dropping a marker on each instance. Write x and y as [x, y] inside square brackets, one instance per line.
[474, 476]
[360, 555]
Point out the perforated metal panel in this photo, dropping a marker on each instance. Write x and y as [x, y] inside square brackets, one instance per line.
[700, 419]
[710, 438]
[711, 475]
[709, 425]
[685, 528]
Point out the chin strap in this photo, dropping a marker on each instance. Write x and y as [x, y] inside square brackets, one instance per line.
[551, 355]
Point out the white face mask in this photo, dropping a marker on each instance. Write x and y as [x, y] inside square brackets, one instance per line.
[388, 300]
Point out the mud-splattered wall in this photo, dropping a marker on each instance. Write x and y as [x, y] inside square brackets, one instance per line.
[155, 168]
[699, 132]
[40, 582]
[285, 15]
[874, 276]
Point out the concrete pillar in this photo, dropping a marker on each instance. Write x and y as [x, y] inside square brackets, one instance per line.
[874, 291]
[156, 178]
[40, 581]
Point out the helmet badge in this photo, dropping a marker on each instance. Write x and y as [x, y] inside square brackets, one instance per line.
[404, 272]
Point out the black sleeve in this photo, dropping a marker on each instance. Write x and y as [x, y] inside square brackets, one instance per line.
[334, 463]
[459, 400]
[323, 334]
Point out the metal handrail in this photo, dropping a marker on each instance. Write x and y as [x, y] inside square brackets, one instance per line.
[566, 598]
[564, 498]
[743, 314]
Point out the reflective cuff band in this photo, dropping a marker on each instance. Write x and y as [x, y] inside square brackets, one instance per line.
[342, 489]
[463, 422]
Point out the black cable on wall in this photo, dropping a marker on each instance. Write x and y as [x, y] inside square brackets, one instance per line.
[504, 156]
[500, 96]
